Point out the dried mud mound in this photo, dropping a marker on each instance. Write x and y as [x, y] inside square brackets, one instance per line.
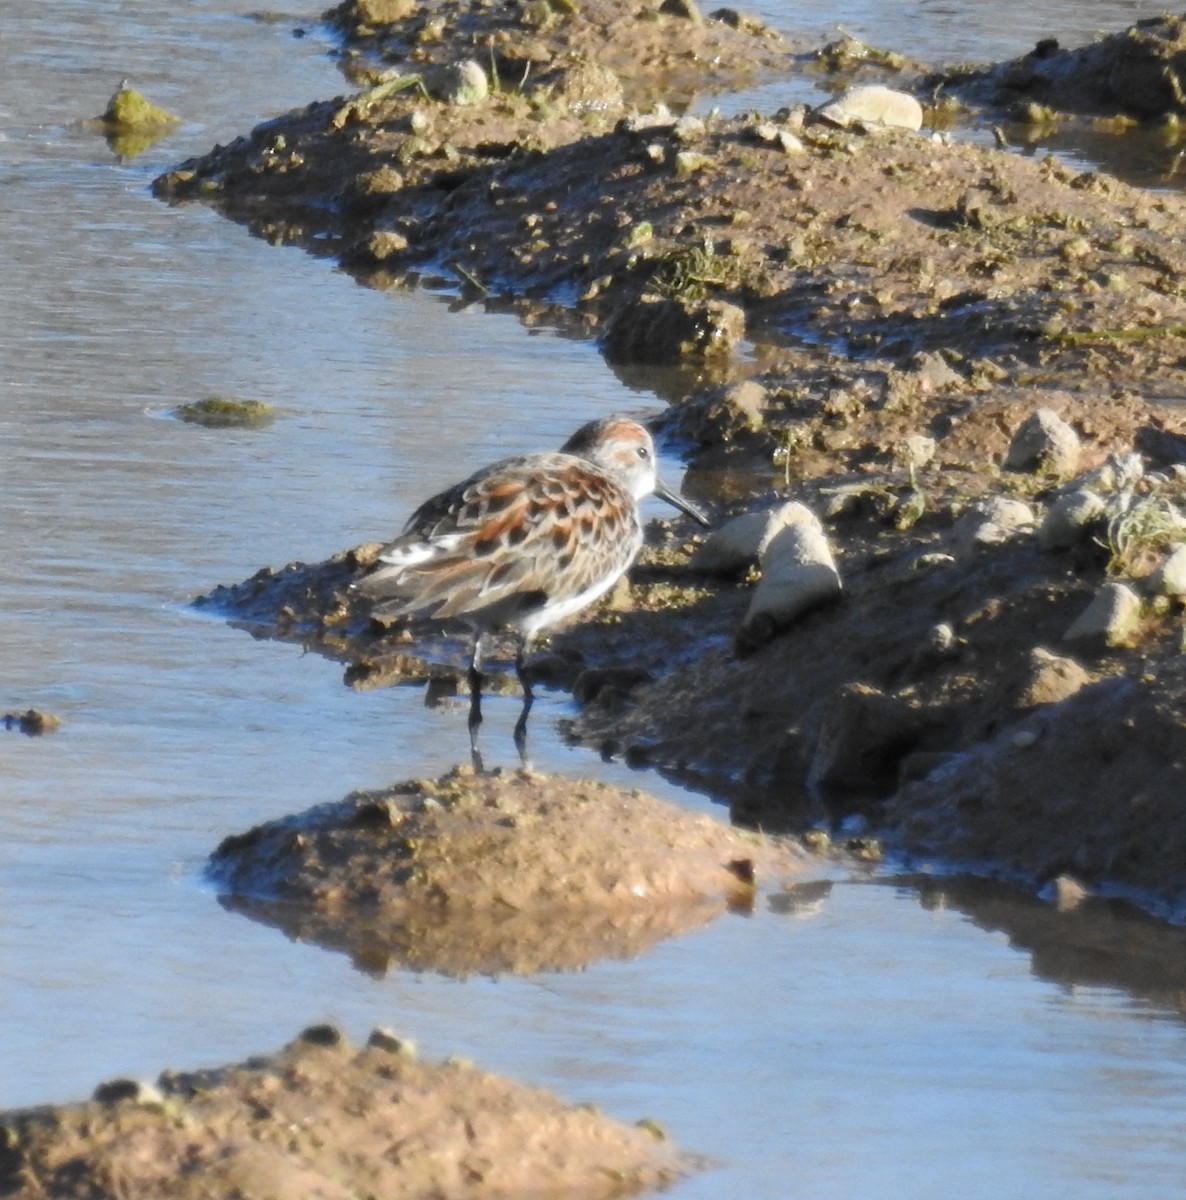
[326, 1121]
[494, 873]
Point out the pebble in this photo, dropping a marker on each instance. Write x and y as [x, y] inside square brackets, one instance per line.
[1044, 443]
[125, 1091]
[384, 1039]
[798, 573]
[994, 521]
[1069, 520]
[1069, 893]
[741, 541]
[916, 450]
[1169, 579]
[459, 83]
[1110, 617]
[1051, 678]
[873, 105]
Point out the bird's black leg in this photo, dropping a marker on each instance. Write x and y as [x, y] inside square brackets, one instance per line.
[528, 700]
[474, 675]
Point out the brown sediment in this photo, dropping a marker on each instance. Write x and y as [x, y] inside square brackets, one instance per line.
[322, 1118]
[495, 873]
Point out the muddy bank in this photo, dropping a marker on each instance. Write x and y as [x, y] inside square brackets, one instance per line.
[322, 1118]
[495, 873]
[922, 314]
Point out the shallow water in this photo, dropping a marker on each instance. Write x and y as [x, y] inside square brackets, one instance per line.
[873, 1045]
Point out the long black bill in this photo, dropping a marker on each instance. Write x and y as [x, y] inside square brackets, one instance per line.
[665, 493]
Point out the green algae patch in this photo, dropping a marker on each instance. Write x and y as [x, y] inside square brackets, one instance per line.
[129, 111]
[131, 123]
[224, 412]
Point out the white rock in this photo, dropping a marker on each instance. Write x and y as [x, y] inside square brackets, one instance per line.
[1069, 519]
[1170, 578]
[916, 450]
[993, 521]
[462, 83]
[1110, 617]
[798, 572]
[1044, 442]
[741, 540]
[873, 105]
[1121, 471]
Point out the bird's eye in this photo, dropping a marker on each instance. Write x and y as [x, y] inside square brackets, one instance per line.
[643, 452]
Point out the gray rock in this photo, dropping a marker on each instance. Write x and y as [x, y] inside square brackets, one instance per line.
[129, 1091]
[933, 372]
[916, 450]
[384, 1039]
[1070, 519]
[1109, 619]
[659, 120]
[460, 83]
[1121, 472]
[1169, 579]
[993, 521]
[1051, 678]
[798, 573]
[741, 541]
[1045, 443]
[873, 105]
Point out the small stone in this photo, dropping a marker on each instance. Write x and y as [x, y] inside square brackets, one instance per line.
[1070, 520]
[226, 412]
[1024, 739]
[916, 450]
[994, 521]
[941, 640]
[688, 162]
[1109, 619]
[1046, 444]
[689, 128]
[1069, 893]
[322, 1035]
[933, 373]
[385, 1039]
[460, 83]
[129, 1091]
[741, 541]
[660, 118]
[682, 8]
[1120, 473]
[798, 574]
[873, 105]
[1169, 579]
[384, 244]
[1051, 678]
[129, 111]
[32, 723]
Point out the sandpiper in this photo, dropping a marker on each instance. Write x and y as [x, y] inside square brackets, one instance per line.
[524, 543]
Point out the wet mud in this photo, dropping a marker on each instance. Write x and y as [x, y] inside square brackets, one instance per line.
[322, 1118]
[495, 873]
